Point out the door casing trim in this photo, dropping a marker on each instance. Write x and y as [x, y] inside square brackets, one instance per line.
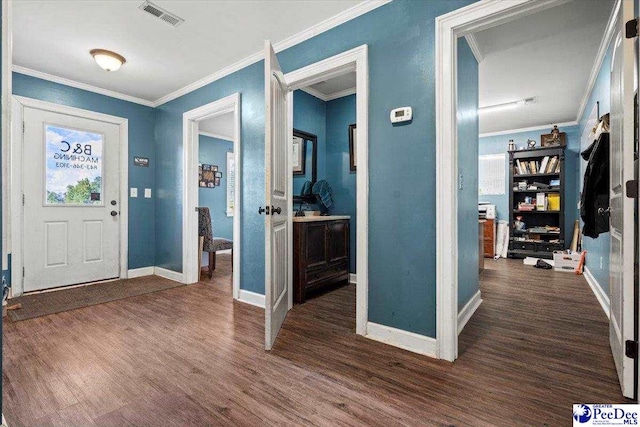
[190, 120]
[18, 105]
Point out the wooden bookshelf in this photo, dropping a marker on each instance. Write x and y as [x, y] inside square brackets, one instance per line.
[523, 243]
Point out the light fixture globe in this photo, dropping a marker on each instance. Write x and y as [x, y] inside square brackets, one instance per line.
[107, 60]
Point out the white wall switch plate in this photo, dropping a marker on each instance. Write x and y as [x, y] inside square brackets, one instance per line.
[134, 192]
[147, 193]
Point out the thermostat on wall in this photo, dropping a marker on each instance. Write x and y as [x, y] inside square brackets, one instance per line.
[402, 114]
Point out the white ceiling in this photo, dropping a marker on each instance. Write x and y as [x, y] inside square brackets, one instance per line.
[221, 126]
[334, 88]
[55, 37]
[548, 55]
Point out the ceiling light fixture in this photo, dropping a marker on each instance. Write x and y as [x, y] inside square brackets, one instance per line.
[107, 60]
[505, 106]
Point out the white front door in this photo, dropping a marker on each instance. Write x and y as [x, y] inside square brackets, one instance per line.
[278, 134]
[622, 226]
[71, 185]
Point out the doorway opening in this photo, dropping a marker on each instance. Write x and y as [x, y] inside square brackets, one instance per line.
[211, 172]
[526, 167]
[283, 91]
[84, 190]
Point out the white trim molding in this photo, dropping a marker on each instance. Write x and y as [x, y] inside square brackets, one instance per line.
[467, 311]
[140, 272]
[18, 105]
[400, 338]
[78, 85]
[252, 298]
[330, 97]
[602, 52]
[216, 135]
[475, 47]
[353, 278]
[458, 23]
[356, 60]
[7, 84]
[190, 124]
[528, 129]
[345, 16]
[168, 274]
[600, 294]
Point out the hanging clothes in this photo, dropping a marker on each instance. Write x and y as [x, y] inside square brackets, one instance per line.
[594, 200]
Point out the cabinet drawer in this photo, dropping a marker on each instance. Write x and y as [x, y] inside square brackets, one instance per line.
[319, 275]
[523, 246]
[488, 249]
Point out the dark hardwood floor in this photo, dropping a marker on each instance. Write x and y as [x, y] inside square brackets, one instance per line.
[191, 356]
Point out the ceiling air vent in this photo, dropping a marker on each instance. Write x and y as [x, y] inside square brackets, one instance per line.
[158, 12]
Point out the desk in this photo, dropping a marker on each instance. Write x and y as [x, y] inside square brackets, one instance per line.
[481, 252]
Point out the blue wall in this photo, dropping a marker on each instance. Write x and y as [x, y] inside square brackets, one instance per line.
[310, 115]
[341, 113]
[498, 144]
[141, 143]
[467, 123]
[400, 36]
[213, 151]
[597, 248]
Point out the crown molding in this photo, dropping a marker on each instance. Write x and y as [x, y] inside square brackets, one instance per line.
[602, 52]
[528, 129]
[475, 47]
[344, 16]
[341, 94]
[216, 135]
[83, 86]
[311, 91]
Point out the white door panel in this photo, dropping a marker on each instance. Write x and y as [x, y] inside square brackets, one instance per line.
[278, 132]
[622, 226]
[71, 188]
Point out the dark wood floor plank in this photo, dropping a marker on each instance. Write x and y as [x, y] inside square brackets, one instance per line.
[192, 356]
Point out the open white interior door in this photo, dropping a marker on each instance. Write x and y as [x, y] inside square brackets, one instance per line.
[278, 131]
[622, 226]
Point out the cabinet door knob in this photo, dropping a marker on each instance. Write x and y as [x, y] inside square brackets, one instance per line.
[274, 210]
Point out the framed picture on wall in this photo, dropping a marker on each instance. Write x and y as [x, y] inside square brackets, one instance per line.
[207, 175]
[352, 147]
[299, 155]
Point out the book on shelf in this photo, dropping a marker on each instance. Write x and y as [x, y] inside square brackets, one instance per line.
[544, 164]
[553, 201]
[541, 202]
[553, 163]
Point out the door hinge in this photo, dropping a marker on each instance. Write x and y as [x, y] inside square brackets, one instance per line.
[631, 349]
[22, 271]
[632, 188]
[631, 28]
[23, 199]
[23, 127]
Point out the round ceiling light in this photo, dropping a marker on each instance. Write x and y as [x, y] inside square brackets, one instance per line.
[107, 60]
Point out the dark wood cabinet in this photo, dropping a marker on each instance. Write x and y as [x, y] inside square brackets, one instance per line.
[489, 234]
[320, 255]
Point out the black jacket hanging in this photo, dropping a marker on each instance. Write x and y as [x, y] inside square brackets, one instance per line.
[594, 200]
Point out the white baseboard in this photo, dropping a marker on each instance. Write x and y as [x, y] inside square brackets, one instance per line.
[353, 278]
[467, 311]
[403, 339]
[4, 422]
[168, 274]
[140, 272]
[252, 298]
[602, 297]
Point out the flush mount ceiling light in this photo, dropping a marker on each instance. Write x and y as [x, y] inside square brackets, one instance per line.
[107, 60]
[505, 106]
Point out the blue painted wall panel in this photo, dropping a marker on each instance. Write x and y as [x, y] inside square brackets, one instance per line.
[401, 37]
[468, 227]
[213, 151]
[341, 113]
[141, 143]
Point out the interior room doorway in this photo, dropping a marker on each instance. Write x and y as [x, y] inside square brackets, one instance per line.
[210, 131]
